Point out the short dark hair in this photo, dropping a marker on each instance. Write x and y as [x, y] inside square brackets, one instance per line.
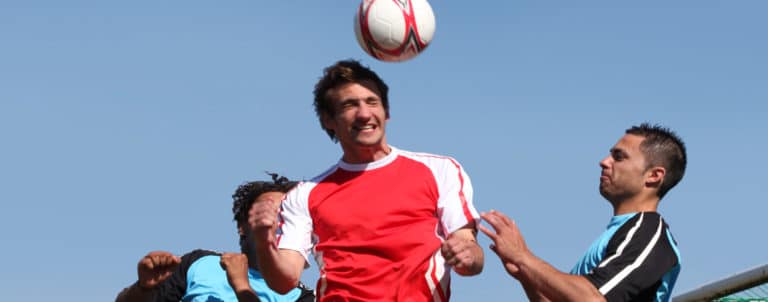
[247, 193]
[662, 147]
[344, 72]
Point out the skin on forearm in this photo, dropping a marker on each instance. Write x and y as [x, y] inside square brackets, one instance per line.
[241, 286]
[542, 280]
[533, 294]
[281, 269]
[246, 295]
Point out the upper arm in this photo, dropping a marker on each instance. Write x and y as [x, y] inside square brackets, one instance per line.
[636, 259]
[295, 223]
[455, 204]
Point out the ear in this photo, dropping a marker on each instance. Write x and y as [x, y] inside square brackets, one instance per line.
[240, 230]
[655, 176]
[327, 121]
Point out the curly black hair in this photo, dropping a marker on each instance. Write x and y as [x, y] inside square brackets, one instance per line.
[246, 194]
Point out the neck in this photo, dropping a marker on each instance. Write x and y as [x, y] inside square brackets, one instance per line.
[365, 154]
[253, 262]
[636, 204]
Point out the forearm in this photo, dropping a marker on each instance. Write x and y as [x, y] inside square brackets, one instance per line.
[544, 280]
[134, 293]
[533, 294]
[281, 269]
[242, 287]
[246, 295]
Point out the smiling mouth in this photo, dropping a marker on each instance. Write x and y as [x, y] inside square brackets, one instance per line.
[365, 128]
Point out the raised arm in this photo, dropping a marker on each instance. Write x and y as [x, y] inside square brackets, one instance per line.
[236, 266]
[540, 280]
[281, 268]
[153, 269]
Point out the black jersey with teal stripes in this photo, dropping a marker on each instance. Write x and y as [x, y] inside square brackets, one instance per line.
[635, 259]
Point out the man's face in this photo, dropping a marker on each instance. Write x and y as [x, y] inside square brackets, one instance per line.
[359, 117]
[623, 170]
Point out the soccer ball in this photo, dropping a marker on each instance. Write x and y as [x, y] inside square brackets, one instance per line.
[394, 30]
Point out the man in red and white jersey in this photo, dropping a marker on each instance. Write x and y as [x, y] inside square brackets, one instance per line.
[384, 224]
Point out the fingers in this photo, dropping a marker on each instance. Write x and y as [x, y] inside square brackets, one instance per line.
[263, 214]
[229, 260]
[488, 232]
[236, 266]
[457, 252]
[159, 260]
[155, 267]
[512, 269]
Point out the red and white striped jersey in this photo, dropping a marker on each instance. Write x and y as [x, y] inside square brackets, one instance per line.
[375, 229]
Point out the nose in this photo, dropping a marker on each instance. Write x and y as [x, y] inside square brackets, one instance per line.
[606, 162]
[363, 113]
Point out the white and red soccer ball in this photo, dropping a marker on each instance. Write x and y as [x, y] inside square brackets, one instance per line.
[394, 30]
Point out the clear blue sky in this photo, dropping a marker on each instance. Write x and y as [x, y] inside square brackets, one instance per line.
[125, 126]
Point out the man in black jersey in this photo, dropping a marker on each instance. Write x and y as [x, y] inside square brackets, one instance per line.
[636, 258]
[209, 276]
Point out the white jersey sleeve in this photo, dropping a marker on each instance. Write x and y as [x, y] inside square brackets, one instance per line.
[294, 231]
[455, 205]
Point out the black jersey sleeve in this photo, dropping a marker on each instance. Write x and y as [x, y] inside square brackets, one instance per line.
[637, 257]
[307, 294]
[174, 288]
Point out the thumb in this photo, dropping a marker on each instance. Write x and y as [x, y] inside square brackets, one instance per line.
[511, 268]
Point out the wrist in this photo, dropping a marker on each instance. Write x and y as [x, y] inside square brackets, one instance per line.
[245, 294]
[143, 288]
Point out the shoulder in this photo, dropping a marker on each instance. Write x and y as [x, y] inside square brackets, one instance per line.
[431, 160]
[199, 253]
[194, 257]
[639, 225]
[641, 232]
[422, 155]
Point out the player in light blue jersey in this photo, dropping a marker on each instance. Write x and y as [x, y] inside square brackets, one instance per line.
[205, 276]
[636, 258]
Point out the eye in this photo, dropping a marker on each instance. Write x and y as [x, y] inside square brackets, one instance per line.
[618, 155]
[372, 101]
[348, 104]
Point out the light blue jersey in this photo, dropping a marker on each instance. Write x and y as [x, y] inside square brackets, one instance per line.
[207, 282]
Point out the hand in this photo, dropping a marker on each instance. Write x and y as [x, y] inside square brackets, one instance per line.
[461, 251]
[457, 251]
[508, 243]
[236, 266]
[155, 267]
[262, 220]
